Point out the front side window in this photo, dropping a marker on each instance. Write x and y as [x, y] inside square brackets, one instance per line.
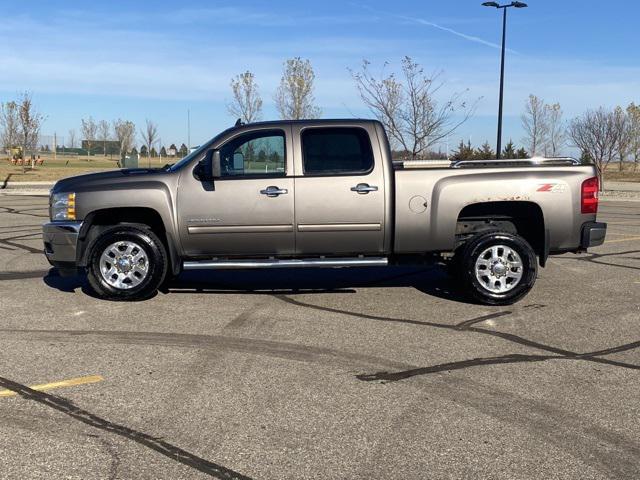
[336, 151]
[254, 154]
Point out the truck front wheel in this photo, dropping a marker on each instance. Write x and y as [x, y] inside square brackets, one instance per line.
[127, 262]
[497, 268]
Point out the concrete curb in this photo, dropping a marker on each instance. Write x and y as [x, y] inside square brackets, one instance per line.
[622, 186]
[27, 185]
[18, 192]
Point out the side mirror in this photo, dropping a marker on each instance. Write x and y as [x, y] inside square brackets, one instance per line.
[209, 167]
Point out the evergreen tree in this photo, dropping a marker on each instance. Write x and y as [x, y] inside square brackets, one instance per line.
[134, 151]
[163, 152]
[184, 151]
[585, 157]
[154, 154]
[521, 153]
[485, 152]
[464, 152]
[143, 151]
[509, 150]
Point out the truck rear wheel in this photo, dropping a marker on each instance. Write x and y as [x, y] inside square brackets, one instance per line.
[497, 268]
[127, 262]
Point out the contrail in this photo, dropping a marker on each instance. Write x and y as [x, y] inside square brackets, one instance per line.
[471, 38]
[422, 21]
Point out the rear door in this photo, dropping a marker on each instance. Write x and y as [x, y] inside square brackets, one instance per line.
[339, 191]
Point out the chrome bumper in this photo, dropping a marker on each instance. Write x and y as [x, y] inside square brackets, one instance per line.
[60, 241]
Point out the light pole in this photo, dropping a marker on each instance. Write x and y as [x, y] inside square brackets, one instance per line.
[504, 33]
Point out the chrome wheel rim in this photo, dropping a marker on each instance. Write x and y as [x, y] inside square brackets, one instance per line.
[124, 265]
[499, 269]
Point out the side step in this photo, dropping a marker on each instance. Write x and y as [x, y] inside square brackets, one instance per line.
[287, 263]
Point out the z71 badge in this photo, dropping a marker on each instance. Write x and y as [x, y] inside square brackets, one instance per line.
[552, 187]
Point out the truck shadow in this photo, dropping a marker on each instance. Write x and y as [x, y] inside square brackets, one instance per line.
[432, 280]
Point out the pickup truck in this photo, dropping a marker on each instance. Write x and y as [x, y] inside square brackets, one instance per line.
[320, 193]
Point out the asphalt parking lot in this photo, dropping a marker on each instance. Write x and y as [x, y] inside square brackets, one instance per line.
[348, 374]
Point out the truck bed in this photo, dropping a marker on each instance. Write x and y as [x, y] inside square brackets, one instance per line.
[430, 200]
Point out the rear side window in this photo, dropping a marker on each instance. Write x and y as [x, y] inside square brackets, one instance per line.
[336, 151]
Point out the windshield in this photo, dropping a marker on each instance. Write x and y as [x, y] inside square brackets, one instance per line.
[197, 152]
[188, 158]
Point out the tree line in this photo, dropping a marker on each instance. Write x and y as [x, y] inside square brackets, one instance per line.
[407, 105]
[102, 134]
[602, 135]
[411, 104]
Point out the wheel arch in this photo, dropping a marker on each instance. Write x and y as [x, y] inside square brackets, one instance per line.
[527, 219]
[98, 220]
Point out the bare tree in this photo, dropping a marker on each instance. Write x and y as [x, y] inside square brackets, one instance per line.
[89, 130]
[72, 138]
[535, 124]
[633, 113]
[556, 130]
[29, 123]
[149, 136]
[622, 134]
[412, 116]
[9, 120]
[246, 104]
[594, 133]
[294, 97]
[125, 131]
[103, 134]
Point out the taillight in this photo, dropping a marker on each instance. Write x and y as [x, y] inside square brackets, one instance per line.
[589, 195]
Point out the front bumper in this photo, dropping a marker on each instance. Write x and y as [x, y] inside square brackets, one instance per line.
[593, 234]
[60, 242]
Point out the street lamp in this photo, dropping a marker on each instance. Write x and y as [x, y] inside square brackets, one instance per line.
[504, 32]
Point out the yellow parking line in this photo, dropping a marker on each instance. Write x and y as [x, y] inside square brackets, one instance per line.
[64, 383]
[623, 240]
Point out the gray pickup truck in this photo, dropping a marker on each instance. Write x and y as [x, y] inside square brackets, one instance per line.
[320, 193]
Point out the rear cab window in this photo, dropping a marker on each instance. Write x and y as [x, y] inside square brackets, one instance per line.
[336, 151]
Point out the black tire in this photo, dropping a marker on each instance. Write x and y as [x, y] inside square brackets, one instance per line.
[474, 248]
[156, 266]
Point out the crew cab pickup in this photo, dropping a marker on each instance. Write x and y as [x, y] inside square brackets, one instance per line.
[320, 193]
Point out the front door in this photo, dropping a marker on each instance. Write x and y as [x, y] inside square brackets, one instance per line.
[340, 197]
[249, 209]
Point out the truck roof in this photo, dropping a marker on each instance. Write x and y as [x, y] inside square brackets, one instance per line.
[316, 121]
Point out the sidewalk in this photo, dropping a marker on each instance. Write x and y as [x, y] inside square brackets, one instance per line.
[39, 189]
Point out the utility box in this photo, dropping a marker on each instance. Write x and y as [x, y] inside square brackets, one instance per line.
[130, 161]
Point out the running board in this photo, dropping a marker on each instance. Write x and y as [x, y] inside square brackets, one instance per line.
[288, 263]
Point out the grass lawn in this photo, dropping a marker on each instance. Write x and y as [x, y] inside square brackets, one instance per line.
[613, 173]
[62, 167]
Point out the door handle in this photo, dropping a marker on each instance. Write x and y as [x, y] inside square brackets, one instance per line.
[273, 191]
[364, 188]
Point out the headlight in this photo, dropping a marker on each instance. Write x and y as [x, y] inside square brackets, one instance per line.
[63, 206]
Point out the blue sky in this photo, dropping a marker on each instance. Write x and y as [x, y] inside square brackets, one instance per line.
[138, 60]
